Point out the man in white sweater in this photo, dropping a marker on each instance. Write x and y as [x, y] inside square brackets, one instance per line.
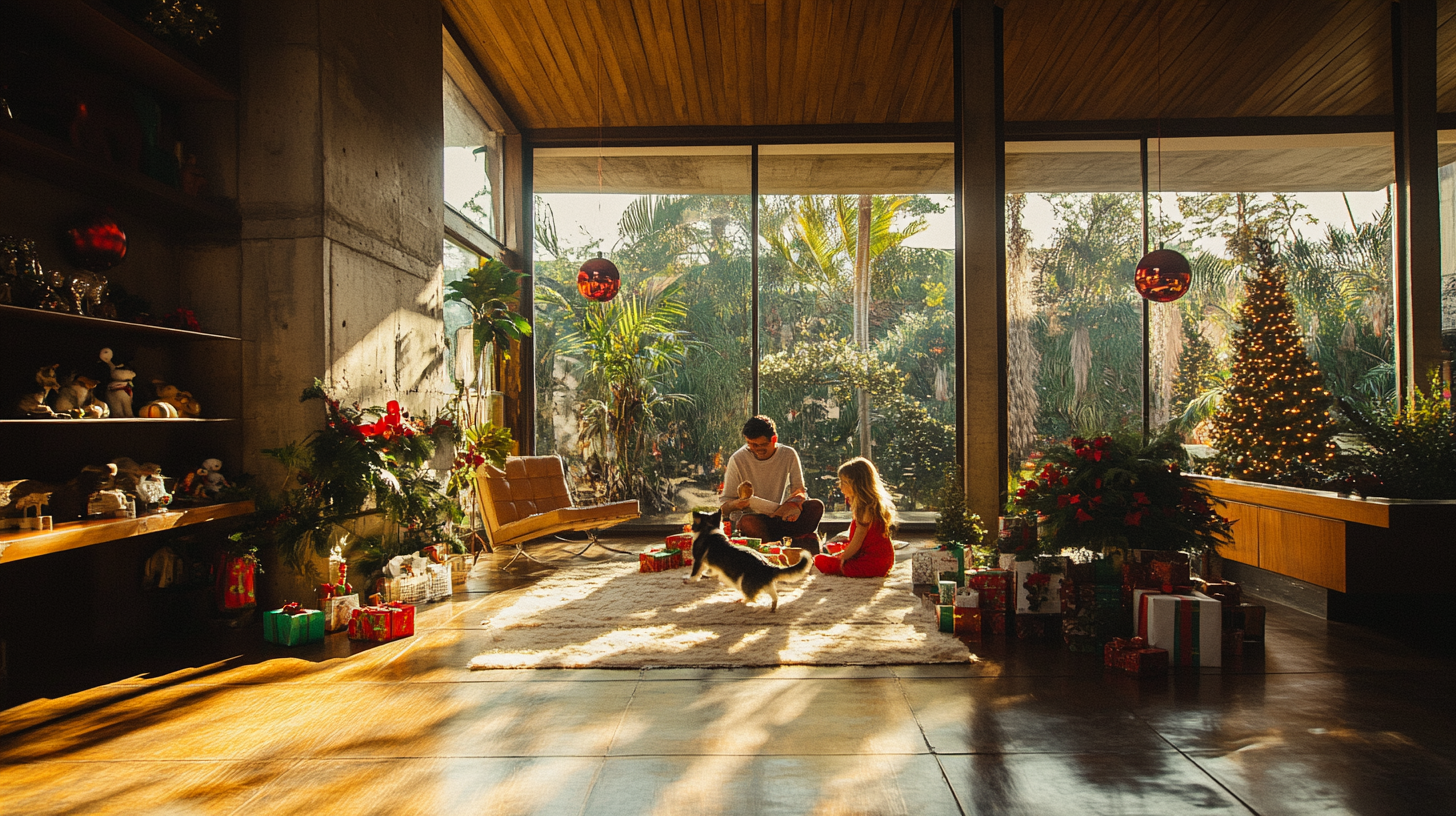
[780, 505]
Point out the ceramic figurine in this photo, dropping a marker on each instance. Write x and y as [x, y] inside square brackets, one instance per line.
[207, 481]
[77, 398]
[37, 404]
[183, 401]
[119, 390]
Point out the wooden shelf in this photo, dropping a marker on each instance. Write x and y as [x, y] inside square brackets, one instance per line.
[19, 544]
[70, 321]
[105, 33]
[116, 421]
[32, 152]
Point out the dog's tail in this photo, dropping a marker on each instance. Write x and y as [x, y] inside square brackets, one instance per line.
[798, 570]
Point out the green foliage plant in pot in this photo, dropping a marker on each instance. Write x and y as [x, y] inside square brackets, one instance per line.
[489, 290]
[364, 476]
[1108, 494]
[1406, 452]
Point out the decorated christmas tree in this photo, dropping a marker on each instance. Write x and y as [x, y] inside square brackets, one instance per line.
[1196, 367]
[1273, 424]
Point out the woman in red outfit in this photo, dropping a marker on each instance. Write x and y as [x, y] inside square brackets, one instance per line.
[869, 553]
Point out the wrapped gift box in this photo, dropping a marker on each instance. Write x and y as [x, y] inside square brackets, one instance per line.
[235, 583]
[967, 598]
[441, 584]
[1190, 627]
[926, 567]
[338, 611]
[967, 622]
[293, 625]
[1017, 534]
[1233, 642]
[1038, 627]
[1079, 630]
[945, 616]
[1039, 586]
[1250, 620]
[432, 583]
[1135, 656]
[994, 586]
[948, 592]
[1226, 592]
[680, 542]
[382, 623]
[834, 547]
[1166, 573]
[993, 624]
[659, 560]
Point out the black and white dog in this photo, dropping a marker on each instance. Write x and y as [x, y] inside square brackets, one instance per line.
[738, 567]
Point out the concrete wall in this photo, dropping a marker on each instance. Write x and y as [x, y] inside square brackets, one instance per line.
[339, 184]
[340, 188]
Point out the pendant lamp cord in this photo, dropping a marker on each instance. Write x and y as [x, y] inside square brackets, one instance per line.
[1159, 27]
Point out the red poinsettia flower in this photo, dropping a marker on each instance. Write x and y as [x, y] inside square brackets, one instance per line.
[1076, 498]
[1141, 498]
[1097, 483]
[1083, 515]
[388, 426]
[1133, 519]
[1063, 501]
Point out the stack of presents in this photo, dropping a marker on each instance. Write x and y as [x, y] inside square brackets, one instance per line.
[1142, 609]
[677, 550]
[408, 580]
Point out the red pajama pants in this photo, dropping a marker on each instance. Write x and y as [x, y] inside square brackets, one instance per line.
[861, 566]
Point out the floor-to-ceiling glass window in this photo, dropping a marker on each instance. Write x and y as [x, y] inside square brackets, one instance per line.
[1323, 205]
[1447, 142]
[1074, 321]
[857, 312]
[643, 395]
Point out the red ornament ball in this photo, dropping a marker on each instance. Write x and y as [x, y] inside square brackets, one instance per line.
[599, 280]
[96, 244]
[1163, 276]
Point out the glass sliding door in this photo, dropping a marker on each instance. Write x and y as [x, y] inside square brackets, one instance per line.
[1074, 321]
[643, 396]
[857, 322]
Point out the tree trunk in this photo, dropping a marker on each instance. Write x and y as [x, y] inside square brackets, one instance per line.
[862, 315]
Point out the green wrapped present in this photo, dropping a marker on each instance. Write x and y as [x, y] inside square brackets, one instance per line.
[948, 592]
[945, 616]
[293, 625]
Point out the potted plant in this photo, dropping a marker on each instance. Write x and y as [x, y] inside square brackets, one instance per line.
[489, 290]
[1108, 493]
[363, 478]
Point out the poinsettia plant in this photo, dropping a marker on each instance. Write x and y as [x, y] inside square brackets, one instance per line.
[367, 465]
[1101, 493]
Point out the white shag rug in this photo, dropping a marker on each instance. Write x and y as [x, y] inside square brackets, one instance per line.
[608, 615]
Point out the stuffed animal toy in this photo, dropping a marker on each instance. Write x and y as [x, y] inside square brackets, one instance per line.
[37, 404]
[77, 398]
[119, 389]
[183, 401]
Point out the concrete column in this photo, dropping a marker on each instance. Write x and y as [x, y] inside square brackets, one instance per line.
[340, 146]
[1418, 201]
[340, 188]
[981, 390]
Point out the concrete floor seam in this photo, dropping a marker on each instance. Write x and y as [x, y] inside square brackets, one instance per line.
[1201, 769]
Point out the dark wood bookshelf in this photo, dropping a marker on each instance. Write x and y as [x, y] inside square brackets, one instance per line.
[103, 32]
[72, 321]
[93, 423]
[48, 159]
[20, 544]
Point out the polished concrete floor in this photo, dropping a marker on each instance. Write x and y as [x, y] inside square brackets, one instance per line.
[1325, 718]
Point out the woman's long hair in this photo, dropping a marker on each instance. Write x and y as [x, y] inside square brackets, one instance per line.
[870, 498]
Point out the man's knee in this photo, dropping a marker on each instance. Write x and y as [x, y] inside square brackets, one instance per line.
[811, 512]
[752, 526]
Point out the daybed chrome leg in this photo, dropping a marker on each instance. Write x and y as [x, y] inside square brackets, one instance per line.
[520, 553]
[592, 538]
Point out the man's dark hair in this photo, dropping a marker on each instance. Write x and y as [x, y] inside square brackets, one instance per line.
[759, 426]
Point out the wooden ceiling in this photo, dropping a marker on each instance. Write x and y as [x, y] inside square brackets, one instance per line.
[717, 63]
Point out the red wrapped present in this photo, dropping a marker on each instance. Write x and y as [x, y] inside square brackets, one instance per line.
[680, 542]
[994, 586]
[382, 623]
[1135, 656]
[1138, 575]
[1233, 642]
[1170, 572]
[993, 624]
[659, 560]
[967, 622]
[235, 582]
[727, 527]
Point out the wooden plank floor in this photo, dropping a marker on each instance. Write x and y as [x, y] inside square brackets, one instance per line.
[1325, 718]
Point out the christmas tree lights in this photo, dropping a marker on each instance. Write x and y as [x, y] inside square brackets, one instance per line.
[1273, 424]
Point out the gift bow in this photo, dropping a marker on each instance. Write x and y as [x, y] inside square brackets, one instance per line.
[293, 608]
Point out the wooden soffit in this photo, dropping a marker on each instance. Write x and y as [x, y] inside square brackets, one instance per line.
[767, 63]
